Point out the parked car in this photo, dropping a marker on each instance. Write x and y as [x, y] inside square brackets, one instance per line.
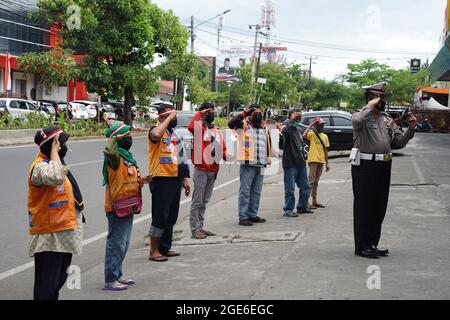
[19, 108]
[181, 130]
[109, 110]
[79, 111]
[48, 106]
[338, 127]
[64, 107]
[91, 106]
[399, 114]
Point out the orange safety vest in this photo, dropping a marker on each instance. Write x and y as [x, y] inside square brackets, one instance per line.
[50, 209]
[122, 183]
[246, 145]
[162, 157]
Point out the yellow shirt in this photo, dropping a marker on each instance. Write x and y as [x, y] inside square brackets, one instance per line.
[316, 152]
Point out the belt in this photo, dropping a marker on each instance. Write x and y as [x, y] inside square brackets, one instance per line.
[376, 157]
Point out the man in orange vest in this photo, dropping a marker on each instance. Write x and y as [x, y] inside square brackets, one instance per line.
[254, 153]
[55, 207]
[169, 172]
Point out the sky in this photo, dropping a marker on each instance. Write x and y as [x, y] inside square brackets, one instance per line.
[398, 30]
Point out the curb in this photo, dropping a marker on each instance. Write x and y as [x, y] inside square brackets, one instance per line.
[30, 142]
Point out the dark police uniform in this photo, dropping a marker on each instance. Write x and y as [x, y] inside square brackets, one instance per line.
[375, 138]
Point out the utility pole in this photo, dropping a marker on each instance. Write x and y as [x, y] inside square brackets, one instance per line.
[192, 34]
[257, 29]
[310, 66]
[219, 30]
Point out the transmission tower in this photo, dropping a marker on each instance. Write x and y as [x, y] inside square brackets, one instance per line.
[268, 18]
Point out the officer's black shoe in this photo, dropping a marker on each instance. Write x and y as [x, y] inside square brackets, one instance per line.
[370, 253]
[382, 252]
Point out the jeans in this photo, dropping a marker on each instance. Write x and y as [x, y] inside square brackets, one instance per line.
[117, 242]
[252, 180]
[292, 177]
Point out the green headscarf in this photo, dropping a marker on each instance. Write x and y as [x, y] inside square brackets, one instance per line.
[117, 128]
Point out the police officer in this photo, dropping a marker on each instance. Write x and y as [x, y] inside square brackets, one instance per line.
[375, 135]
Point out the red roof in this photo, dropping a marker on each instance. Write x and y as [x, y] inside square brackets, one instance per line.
[165, 87]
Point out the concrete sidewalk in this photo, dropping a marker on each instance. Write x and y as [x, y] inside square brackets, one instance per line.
[310, 257]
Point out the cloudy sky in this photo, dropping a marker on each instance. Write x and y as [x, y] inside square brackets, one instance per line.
[393, 31]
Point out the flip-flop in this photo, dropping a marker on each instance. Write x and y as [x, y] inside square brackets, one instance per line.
[171, 254]
[158, 259]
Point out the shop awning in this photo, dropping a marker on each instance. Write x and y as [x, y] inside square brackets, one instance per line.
[440, 67]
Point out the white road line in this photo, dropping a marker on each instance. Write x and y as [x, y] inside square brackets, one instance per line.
[84, 163]
[102, 235]
[418, 171]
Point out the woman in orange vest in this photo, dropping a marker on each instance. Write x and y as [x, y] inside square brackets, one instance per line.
[122, 179]
[55, 207]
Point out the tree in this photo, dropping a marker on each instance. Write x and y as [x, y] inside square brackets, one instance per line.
[53, 68]
[122, 38]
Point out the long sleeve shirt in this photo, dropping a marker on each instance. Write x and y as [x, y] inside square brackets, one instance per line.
[378, 135]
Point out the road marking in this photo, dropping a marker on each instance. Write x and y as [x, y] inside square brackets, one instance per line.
[102, 235]
[84, 163]
[418, 171]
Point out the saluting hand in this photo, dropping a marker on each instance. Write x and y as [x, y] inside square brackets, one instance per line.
[412, 120]
[375, 101]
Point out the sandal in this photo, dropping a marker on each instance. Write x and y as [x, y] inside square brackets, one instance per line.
[115, 286]
[171, 254]
[158, 259]
[198, 235]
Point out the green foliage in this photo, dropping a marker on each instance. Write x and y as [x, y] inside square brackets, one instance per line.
[121, 38]
[55, 67]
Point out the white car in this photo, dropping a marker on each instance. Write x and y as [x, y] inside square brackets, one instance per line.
[91, 107]
[19, 108]
[79, 110]
[109, 110]
[152, 114]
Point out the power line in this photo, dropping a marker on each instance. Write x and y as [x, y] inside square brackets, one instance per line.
[314, 54]
[326, 45]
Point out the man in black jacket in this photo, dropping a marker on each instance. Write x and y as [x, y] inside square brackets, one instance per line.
[294, 166]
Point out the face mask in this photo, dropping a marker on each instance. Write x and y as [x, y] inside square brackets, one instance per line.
[381, 106]
[257, 118]
[319, 129]
[62, 153]
[209, 118]
[126, 143]
[173, 123]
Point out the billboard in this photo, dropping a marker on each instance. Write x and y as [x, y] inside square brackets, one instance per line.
[230, 60]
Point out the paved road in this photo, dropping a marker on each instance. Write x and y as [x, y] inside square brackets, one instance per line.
[421, 173]
[85, 158]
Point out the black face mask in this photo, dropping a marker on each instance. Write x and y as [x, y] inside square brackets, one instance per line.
[257, 119]
[209, 118]
[62, 153]
[126, 143]
[173, 123]
[319, 129]
[381, 105]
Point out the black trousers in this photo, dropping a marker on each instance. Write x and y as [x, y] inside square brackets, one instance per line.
[166, 194]
[371, 183]
[50, 274]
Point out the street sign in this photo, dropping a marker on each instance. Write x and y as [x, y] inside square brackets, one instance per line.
[415, 65]
[262, 80]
